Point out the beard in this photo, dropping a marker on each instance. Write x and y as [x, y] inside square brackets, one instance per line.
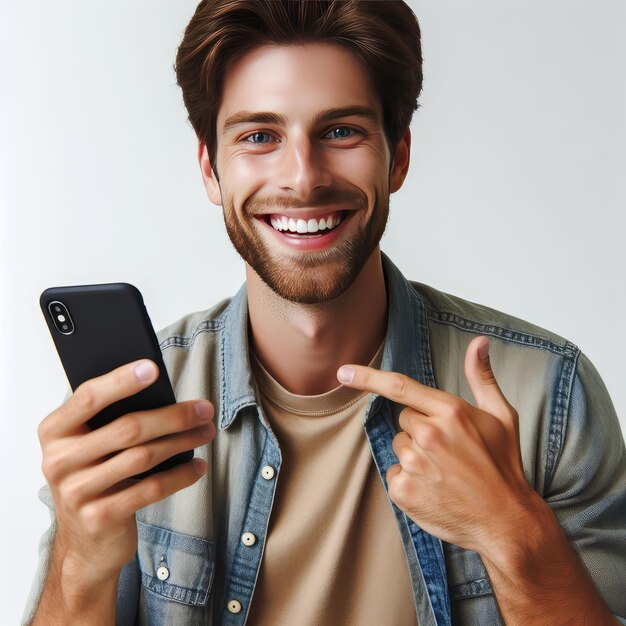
[308, 277]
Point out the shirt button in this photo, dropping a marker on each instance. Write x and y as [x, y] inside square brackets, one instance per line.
[234, 606]
[163, 573]
[248, 539]
[268, 472]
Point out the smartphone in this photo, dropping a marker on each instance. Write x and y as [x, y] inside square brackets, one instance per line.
[97, 328]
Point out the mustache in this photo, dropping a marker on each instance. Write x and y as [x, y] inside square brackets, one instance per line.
[258, 205]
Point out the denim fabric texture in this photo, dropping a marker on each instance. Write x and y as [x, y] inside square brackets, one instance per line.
[572, 450]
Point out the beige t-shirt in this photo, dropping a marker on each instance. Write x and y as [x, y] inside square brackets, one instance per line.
[333, 553]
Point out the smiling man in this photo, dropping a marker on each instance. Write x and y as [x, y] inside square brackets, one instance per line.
[469, 469]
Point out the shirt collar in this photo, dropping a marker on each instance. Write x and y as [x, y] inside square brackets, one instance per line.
[406, 350]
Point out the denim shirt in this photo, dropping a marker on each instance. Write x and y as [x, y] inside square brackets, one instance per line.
[193, 565]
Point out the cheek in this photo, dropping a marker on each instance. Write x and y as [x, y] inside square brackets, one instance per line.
[365, 169]
[241, 179]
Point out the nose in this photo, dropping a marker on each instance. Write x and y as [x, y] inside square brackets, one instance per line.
[302, 168]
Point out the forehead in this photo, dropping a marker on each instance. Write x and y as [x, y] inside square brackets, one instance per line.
[296, 81]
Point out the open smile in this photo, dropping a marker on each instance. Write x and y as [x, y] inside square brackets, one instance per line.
[314, 233]
[302, 226]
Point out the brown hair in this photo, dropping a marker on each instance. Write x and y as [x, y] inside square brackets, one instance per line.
[382, 34]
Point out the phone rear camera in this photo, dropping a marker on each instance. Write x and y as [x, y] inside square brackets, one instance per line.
[61, 317]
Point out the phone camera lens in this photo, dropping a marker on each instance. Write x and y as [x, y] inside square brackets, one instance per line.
[61, 318]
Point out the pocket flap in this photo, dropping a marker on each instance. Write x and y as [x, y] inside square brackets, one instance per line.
[176, 566]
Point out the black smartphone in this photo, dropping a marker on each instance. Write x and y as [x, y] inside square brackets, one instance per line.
[97, 328]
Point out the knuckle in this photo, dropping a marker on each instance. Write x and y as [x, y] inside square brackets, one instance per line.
[43, 430]
[396, 443]
[154, 489]
[71, 495]
[124, 381]
[428, 436]
[405, 418]
[124, 377]
[94, 517]
[399, 385]
[398, 488]
[52, 464]
[50, 468]
[141, 457]
[186, 416]
[180, 417]
[455, 412]
[409, 458]
[488, 377]
[195, 439]
[128, 431]
[85, 398]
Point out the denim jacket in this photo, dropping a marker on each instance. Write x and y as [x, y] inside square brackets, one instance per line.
[192, 565]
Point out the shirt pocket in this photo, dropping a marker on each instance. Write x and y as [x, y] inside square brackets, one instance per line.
[176, 567]
[472, 599]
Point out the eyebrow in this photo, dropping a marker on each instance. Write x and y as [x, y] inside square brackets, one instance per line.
[350, 111]
[266, 117]
[250, 117]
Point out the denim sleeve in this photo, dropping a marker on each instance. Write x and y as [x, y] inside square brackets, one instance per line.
[587, 491]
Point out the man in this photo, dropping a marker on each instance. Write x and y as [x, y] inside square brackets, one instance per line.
[474, 473]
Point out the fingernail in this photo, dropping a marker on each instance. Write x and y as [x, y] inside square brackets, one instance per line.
[203, 410]
[483, 351]
[200, 465]
[144, 371]
[345, 374]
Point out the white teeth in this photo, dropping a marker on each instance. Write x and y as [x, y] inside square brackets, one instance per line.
[283, 223]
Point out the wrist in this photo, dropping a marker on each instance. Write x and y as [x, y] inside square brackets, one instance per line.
[74, 593]
[535, 569]
[81, 584]
[527, 532]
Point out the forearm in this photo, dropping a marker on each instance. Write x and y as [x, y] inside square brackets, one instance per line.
[67, 600]
[539, 579]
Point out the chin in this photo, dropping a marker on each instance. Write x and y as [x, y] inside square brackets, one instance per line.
[314, 281]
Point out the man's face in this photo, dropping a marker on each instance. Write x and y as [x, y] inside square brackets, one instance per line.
[301, 147]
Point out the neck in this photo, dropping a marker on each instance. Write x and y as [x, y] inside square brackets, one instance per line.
[302, 346]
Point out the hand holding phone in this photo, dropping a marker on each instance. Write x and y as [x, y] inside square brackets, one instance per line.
[97, 328]
[92, 472]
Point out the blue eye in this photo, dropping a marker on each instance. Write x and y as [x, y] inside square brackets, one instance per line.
[258, 138]
[341, 132]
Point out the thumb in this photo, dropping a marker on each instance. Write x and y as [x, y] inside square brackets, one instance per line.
[482, 380]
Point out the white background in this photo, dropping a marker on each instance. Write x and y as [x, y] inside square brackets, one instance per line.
[515, 198]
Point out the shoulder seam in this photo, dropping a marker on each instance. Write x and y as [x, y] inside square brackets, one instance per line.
[186, 341]
[514, 336]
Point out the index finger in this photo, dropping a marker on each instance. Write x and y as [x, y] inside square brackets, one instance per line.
[95, 394]
[394, 386]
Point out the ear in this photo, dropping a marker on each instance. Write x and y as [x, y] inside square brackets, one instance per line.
[211, 182]
[400, 163]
